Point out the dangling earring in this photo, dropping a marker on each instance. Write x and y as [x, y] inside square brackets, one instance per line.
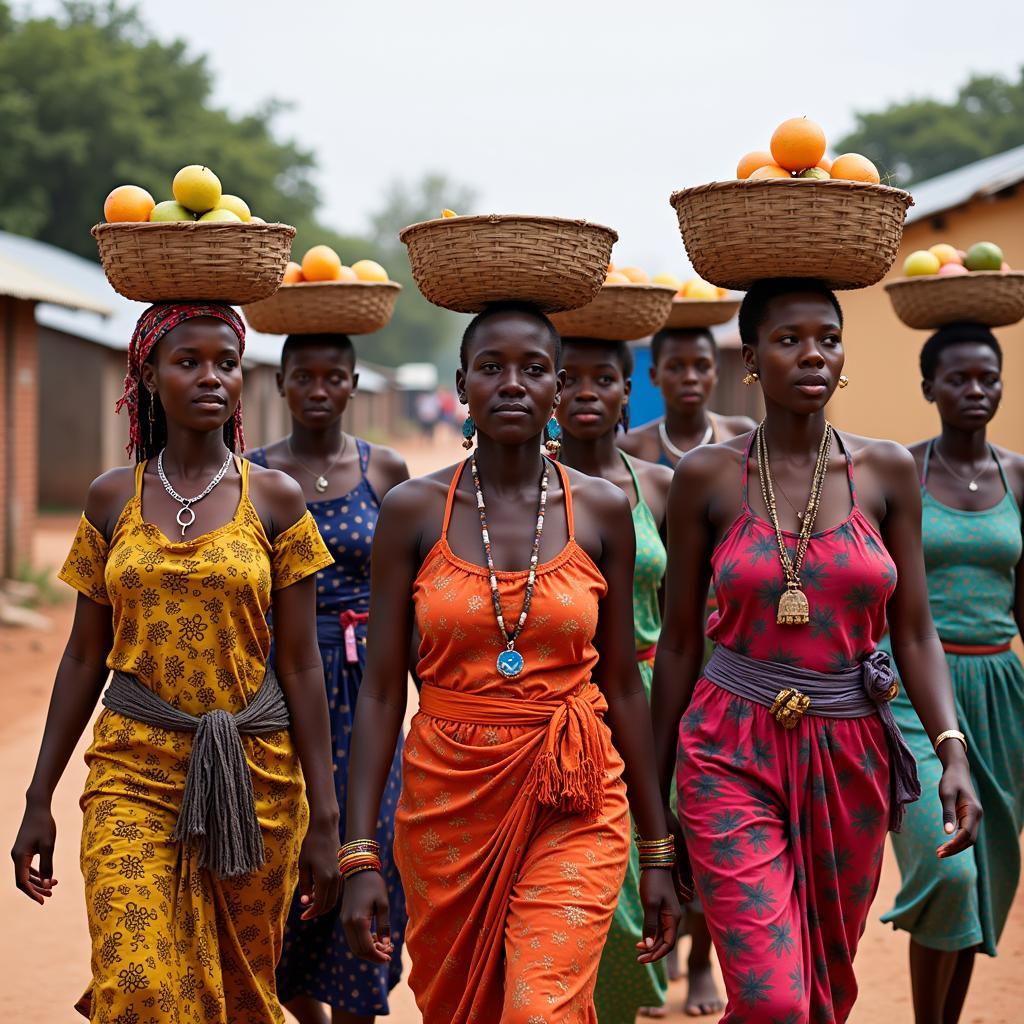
[152, 416]
[552, 437]
[468, 430]
[624, 418]
[751, 377]
[844, 381]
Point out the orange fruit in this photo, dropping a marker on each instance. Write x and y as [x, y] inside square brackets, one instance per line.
[616, 278]
[635, 274]
[854, 167]
[292, 273]
[798, 143]
[321, 263]
[448, 213]
[750, 163]
[770, 171]
[128, 203]
[825, 164]
[347, 274]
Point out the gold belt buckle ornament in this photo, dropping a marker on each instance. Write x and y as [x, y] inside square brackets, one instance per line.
[893, 692]
[789, 707]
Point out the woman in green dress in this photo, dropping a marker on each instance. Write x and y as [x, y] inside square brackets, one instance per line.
[594, 405]
[971, 494]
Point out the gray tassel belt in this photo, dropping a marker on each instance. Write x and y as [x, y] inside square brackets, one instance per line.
[218, 807]
[790, 692]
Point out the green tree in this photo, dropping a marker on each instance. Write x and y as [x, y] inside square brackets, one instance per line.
[919, 139]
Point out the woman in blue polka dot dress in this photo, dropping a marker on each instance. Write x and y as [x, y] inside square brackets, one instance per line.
[344, 479]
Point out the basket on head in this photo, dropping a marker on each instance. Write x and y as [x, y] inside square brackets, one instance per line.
[693, 314]
[620, 312]
[844, 233]
[325, 307]
[466, 263]
[212, 261]
[994, 298]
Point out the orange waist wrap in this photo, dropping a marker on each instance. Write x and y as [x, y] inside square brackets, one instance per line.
[569, 769]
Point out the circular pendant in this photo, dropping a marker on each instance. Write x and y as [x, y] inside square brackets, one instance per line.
[510, 663]
[972, 486]
[321, 484]
[183, 522]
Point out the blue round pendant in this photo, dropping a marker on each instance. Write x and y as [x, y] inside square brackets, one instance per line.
[510, 663]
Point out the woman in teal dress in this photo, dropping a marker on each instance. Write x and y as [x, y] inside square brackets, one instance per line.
[971, 494]
[594, 405]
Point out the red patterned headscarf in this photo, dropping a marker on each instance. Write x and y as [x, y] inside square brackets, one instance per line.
[154, 323]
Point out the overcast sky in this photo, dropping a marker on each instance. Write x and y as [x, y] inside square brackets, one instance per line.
[583, 109]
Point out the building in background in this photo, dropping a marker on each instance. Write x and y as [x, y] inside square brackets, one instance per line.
[982, 202]
[22, 287]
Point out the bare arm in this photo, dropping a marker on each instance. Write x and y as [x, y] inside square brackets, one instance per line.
[380, 710]
[916, 647]
[681, 644]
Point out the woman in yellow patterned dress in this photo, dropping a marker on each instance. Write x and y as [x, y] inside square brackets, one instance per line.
[194, 810]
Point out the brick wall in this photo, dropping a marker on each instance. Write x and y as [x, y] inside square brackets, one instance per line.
[19, 376]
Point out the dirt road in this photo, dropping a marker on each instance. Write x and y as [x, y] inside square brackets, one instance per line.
[45, 951]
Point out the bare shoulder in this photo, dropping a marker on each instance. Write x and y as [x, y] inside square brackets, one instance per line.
[412, 497]
[596, 495]
[643, 442]
[107, 497]
[889, 460]
[1013, 465]
[707, 461]
[735, 425]
[654, 476]
[386, 467]
[277, 498]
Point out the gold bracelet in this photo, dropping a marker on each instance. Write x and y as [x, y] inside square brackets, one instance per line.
[950, 734]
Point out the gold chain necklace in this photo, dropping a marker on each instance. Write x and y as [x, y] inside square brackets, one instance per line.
[794, 609]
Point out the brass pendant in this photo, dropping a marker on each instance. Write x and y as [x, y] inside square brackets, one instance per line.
[321, 485]
[793, 607]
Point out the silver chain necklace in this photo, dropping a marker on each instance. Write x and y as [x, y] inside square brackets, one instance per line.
[321, 483]
[186, 515]
[972, 485]
[667, 444]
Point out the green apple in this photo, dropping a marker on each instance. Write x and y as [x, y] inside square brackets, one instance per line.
[237, 206]
[223, 216]
[921, 262]
[169, 210]
[984, 256]
[815, 172]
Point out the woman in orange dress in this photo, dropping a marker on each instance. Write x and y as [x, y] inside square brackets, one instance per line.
[512, 830]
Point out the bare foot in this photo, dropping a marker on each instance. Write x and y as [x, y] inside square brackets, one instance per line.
[702, 996]
[653, 1011]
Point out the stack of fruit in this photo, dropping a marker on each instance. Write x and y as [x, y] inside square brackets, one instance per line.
[698, 304]
[798, 151]
[197, 197]
[202, 244]
[792, 212]
[943, 285]
[321, 295]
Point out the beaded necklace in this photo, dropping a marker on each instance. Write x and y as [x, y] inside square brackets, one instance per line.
[794, 609]
[510, 662]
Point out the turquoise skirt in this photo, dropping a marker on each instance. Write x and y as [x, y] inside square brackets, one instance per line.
[963, 902]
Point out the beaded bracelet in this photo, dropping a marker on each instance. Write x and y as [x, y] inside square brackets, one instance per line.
[656, 853]
[359, 855]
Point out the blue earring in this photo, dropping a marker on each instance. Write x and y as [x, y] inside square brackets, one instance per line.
[468, 430]
[553, 437]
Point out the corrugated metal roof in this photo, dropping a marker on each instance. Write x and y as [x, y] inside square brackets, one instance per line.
[23, 282]
[982, 178]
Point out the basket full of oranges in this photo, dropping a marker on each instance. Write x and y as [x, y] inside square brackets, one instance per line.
[629, 306]
[324, 296]
[202, 244]
[792, 212]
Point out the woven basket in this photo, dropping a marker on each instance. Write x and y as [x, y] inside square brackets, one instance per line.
[991, 297]
[696, 313]
[465, 263]
[211, 261]
[325, 307]
[845, 233]
[621, 312]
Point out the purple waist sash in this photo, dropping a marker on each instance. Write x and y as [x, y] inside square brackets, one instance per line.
[790, 692]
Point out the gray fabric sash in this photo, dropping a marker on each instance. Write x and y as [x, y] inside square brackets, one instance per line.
[859, 691]
[218, 808]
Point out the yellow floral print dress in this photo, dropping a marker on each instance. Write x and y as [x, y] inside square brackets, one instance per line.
[172, 944]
